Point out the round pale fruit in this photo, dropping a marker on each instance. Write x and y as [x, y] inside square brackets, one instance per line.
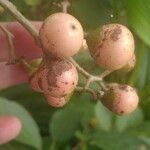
[111, 46]
[62, 35]
[56, 77]
[61, 78]
[10, 127]
[55, 102]
[120, 99]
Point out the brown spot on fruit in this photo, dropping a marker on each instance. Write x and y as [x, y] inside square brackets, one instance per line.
[51, 79]
[115, 34]
[73, 26]
[123, 87]
[122, 112]
[40, 83]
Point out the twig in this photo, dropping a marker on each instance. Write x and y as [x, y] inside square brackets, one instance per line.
[10, 38]
[25, 22]
[88, 90]
[65, 5]
[90, 77]
[80, 69]
[32, 30]
[105, 73]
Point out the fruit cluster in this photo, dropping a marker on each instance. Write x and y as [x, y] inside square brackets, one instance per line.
[111, 46]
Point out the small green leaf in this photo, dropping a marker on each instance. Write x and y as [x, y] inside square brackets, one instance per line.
[30, 133]
[132, 120]
[91, 14]
[104, 117]
[32, 2]
[114, 141]
[15, 146]
[65, 122]
[141, 130]
[139, 18]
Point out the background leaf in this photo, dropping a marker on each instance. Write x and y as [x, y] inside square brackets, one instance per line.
[15, 146]
[104, 117]
[113, 141]
[131, 120]
[139, 18]
[32, 2]
[30, 132]
[66, 121]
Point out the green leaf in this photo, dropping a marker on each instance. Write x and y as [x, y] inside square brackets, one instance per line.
[142, 130]
[132, 120]
[139, 18]
[32, 2]
[30, 133]
[23, 95]
[113, 141]
[15, 146]
[104, 117]
[91, 14]
[66, 121]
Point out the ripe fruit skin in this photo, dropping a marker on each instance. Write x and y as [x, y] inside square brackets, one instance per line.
[130, 65]
[55, 102]
[120, 99]
[10, 127]
[126, 69]
[34, 81]
[56, 77]
[60, 77]
[111, 46]
[62, 35]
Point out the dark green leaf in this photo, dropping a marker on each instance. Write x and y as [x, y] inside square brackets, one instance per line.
[131, 120]
[32, 2]
[139, 18]
[15, 146]
[67, 120]
[91, 14]
[30, 132]
[114, 141]
[104, 117]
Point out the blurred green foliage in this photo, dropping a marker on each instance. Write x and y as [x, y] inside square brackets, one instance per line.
[83, 124]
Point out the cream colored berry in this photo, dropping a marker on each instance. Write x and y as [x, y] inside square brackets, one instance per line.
[120, 99]
[61, 35]
[111, 46]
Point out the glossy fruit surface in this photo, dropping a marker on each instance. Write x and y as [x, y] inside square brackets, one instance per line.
[111, 46]
[120, 99]
[62, 35]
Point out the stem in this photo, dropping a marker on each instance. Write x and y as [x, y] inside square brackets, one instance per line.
[96, 95]
[10, 38]
[105, 73]
[32, 30]
[80, 69]
[25, 22]
[65, 5]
